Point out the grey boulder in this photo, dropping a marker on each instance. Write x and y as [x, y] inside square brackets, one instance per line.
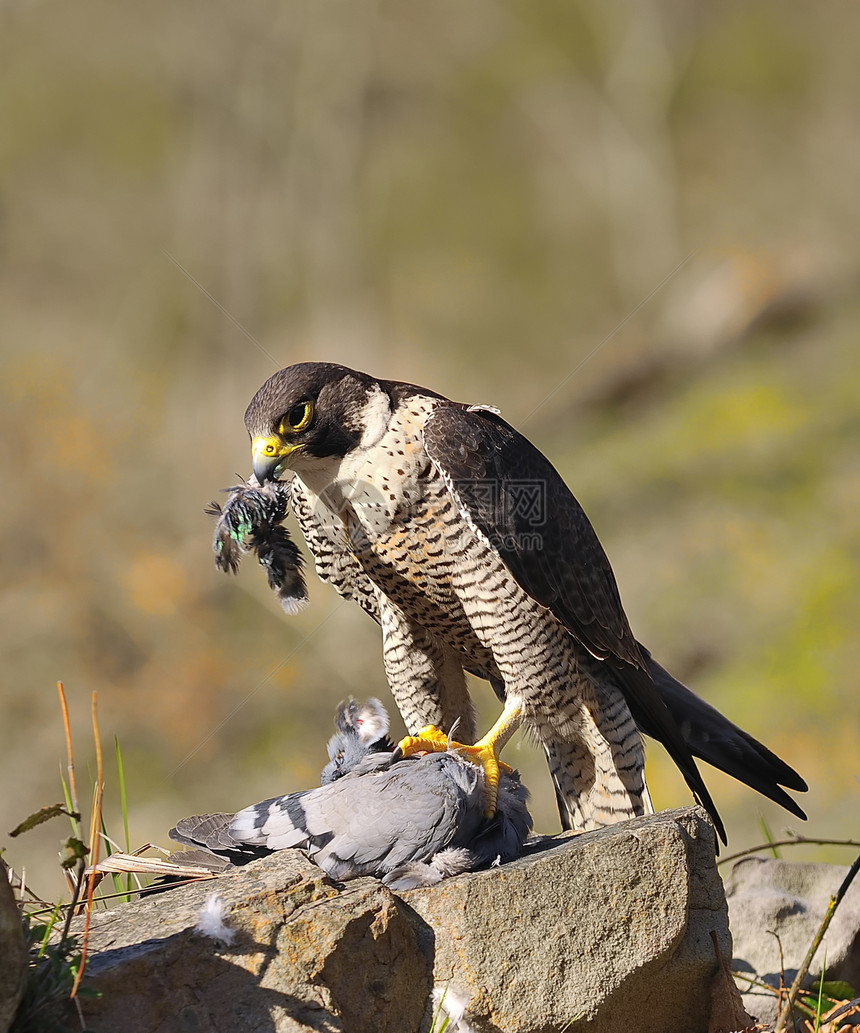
[603, 931]
[774, 902]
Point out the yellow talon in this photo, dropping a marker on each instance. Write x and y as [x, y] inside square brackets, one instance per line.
[430, 739]
[485, 752]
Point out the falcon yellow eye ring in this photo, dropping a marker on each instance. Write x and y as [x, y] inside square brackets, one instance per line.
[297, 418]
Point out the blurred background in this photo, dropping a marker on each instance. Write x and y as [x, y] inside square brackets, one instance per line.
[632, 225]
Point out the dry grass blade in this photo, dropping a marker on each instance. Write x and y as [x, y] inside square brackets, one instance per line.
[73, 789]
[781, 991]
[75, 884]
[794, 841]
[95, 824]
[843, 1011]
[727, 1007]
[120, 863]
[18, 883]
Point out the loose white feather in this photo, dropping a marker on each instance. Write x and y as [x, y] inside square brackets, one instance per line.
[448, 862]
[211, 923]
[453, 1004]
[293, 604]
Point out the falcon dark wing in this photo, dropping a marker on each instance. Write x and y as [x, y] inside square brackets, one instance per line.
[513, 495]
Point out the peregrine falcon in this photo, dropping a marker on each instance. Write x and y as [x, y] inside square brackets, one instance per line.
[464, 544]
[409, 821]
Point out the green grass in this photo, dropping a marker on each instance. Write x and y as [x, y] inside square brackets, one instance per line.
[52, 969]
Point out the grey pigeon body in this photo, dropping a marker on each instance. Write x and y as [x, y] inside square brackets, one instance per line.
[389, 818]
[409, 821]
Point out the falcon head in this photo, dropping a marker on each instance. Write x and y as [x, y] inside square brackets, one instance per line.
[311, 412]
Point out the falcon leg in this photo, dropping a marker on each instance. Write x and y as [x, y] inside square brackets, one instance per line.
[485, 752]
[426, 677]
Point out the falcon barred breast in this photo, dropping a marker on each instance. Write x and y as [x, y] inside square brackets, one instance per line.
[465, 545]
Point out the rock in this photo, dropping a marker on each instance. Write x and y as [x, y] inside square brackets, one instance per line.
[603, 931]
[13, 952]
[306, 955]
[608, 930]
[767, 896]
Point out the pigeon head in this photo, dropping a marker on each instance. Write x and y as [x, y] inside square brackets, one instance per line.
[362, 728]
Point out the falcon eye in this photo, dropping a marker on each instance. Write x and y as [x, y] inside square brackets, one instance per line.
[297, 418]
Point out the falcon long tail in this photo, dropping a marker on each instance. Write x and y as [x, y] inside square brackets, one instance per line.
[654, 717]
[715, 739]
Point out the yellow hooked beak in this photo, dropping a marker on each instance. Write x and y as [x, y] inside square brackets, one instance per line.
[267, 456]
